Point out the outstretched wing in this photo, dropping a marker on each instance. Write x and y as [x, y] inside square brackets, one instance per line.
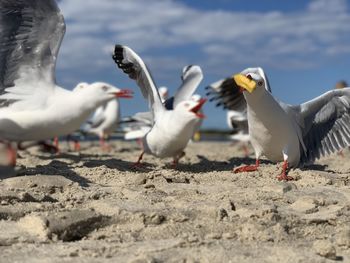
[127, 60]
[227, 94]
[31, 32]
[191, 77]
[325, 124]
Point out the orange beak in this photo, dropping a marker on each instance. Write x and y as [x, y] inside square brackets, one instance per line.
[198, 107]
[124, 93]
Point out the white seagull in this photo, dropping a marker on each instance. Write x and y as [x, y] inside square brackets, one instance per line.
[32, 106]
[105, 119]
[174, 122]
[226, 95]
[296, 135]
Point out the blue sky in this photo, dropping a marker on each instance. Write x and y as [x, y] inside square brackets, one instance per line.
[303, 46]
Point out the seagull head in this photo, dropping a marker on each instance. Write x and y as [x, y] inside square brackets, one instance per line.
[250, 82]
[102, 92]
[191, 108]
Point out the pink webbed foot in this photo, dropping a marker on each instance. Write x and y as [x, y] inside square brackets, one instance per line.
[283, 176]
[247, 168]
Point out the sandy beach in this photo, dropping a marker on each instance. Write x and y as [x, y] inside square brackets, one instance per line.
[94, 206]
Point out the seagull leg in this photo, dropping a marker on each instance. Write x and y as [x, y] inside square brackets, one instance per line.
[283, 176]
[76, 146]
[248, 168]
[12, 155]
[56, 144]
[176, 159]
[104, 146]
[138, 163]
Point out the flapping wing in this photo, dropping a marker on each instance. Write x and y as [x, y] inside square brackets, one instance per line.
[325, 124]
[127, 60]
[31, 32]
[237, 121]
[227, 94]
[191, 77]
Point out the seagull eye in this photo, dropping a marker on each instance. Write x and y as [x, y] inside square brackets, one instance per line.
[260, 83]
[104, 88]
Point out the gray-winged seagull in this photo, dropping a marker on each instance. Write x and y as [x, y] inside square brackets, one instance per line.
[296, 135]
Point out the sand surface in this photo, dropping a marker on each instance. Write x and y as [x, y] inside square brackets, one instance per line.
[95, 207]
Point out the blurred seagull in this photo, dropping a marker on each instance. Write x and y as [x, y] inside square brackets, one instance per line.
[105, 120]
[174, 122]
[296, 135]
[32, 106]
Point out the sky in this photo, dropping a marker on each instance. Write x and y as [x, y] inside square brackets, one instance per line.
[303, 46]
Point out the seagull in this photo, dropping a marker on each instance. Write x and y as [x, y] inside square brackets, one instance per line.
[32, 106]
[140, 124]
[226, 95]
[296, 135]
[173, 122]
[105, 119]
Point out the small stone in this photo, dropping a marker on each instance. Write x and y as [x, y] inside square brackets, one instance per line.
[74, 254]
[140, 179]
[305, 205]
[213, 236]
[228, 235]
[4, 202]
[149, 186]
[280, 188]
[222, 213]
[325, 249]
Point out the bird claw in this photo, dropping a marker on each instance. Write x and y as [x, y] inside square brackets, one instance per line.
[247, 168]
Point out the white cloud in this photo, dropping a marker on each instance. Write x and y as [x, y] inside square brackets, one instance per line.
[166, 28]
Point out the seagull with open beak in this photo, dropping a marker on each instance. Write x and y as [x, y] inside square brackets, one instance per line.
[173, 122]
[296, 135]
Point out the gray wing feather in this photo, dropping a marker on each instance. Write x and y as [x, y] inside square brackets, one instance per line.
[31, 32]
[325, 124]
[225, 93]
[133, 65]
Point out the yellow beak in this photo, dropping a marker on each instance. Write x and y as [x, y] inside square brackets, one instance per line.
[245, 82]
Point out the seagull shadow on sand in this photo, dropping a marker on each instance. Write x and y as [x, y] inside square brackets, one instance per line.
[316, 167]
[120, 165]
[56, 167]
[75, 157]
[7, 172]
